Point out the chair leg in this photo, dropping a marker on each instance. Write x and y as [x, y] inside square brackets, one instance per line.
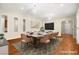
[23, 45]
[44, 46]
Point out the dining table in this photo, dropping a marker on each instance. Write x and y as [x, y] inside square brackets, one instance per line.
[36, 36]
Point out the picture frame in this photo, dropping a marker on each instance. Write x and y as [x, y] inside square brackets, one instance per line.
[35, 24]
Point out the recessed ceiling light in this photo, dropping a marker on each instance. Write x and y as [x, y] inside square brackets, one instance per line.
[61, 5]
[49, 16]
[22, 8]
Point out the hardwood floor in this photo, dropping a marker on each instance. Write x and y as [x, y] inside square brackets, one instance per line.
[12, 49]
[78, 48]
[68, 46]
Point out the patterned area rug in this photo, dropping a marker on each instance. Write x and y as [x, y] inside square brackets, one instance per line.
[28, 50]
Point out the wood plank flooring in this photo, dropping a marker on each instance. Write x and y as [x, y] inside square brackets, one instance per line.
[12, 49]
[68, 46]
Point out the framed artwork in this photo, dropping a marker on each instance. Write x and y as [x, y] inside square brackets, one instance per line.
[24, 25]
[35, 24]
[5, 23]
[15, 24]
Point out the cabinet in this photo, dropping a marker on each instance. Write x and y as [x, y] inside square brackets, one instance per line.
[3, 45]
[4, 50]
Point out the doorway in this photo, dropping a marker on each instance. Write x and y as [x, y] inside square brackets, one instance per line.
[67, 27]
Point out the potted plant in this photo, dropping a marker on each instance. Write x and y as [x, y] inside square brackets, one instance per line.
[42, 29]
[1, 38]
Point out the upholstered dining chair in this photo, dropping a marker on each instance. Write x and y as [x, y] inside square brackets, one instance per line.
[44, 41]
[53, 35]
[25, 41]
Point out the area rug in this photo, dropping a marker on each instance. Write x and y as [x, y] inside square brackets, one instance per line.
[32, 51]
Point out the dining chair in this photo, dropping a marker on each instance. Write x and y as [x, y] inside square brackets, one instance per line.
[54, 35]
[51, 36]
[25, 41]
[44, 41]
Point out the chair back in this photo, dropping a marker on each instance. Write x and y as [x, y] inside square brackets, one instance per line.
[25, 38]
[55, 34]
[45, 39]
[50, 36]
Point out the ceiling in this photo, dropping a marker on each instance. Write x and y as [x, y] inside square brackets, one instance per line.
[41, 9]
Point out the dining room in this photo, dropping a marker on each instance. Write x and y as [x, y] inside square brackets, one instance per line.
[38, 29]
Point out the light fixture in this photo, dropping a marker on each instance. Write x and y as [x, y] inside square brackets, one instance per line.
[34, 8]
[22, 8]
[49, 16]
[34, 4]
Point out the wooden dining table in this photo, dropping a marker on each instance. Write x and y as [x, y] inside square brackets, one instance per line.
[36, 37]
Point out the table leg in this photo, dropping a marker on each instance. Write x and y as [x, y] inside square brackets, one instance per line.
[35, 42]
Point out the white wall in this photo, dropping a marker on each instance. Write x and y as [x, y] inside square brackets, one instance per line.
[58, 20]
[77, 29]
[35, 21]
[1, 24]
[69, 26]
[12, 35]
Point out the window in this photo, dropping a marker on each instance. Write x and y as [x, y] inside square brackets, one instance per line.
[4, 22]
[15, 24]
[24, 25]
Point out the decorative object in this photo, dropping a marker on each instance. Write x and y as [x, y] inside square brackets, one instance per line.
[1, 36]
[42, 29]
[15, 24]
[3, 45]
[24, 25]
[2, 40]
